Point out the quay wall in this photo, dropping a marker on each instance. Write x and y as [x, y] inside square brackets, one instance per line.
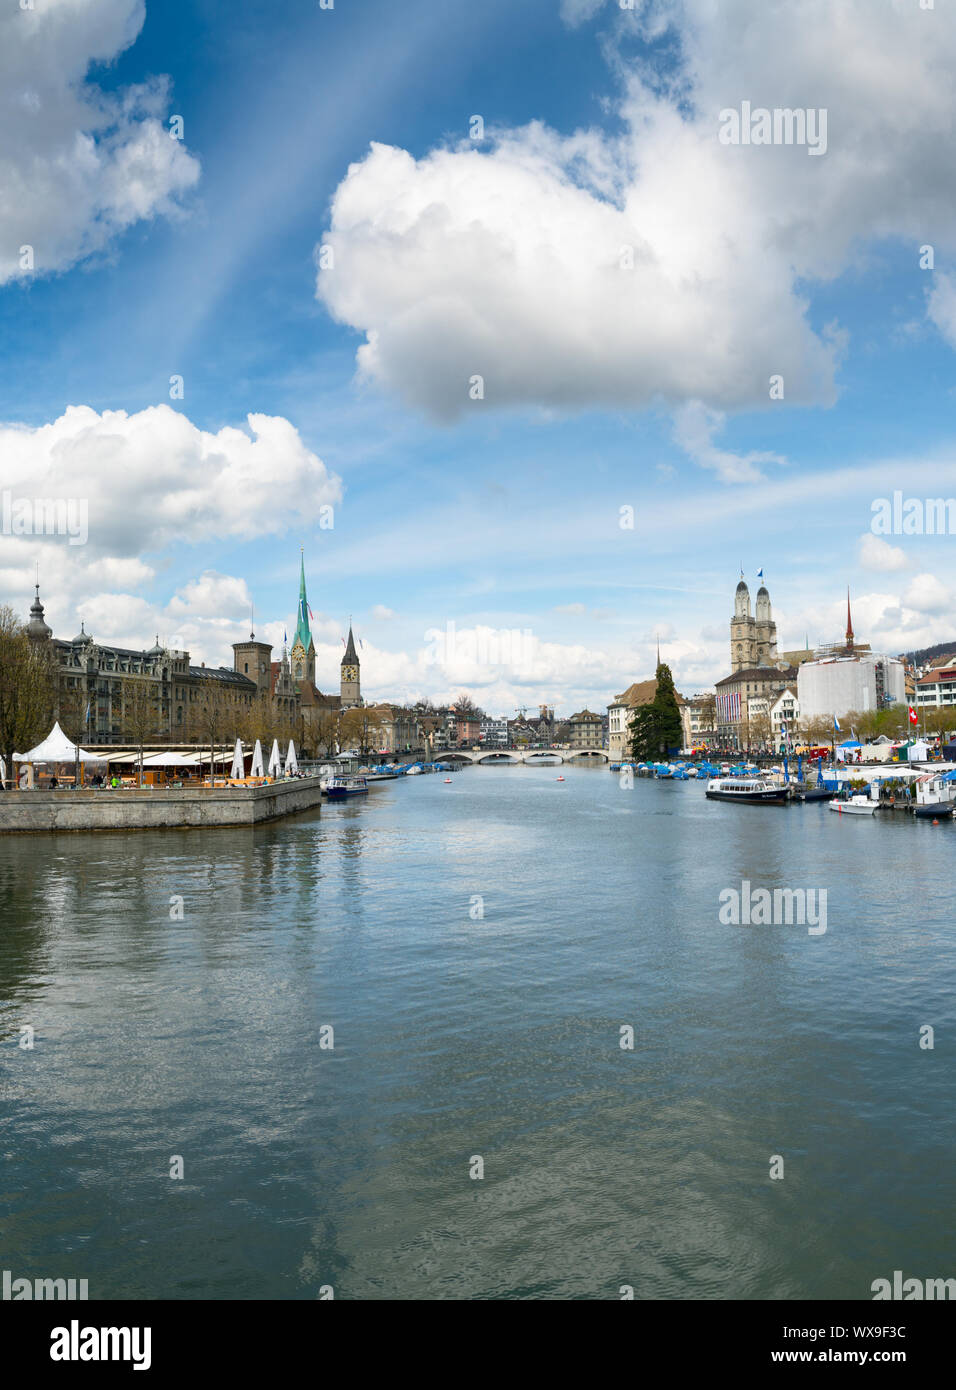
[154, 809]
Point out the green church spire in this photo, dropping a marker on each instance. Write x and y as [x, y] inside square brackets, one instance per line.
[303, 633]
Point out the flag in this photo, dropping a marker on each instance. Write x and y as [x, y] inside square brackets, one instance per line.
[285, 635]
[760, 574]
[914, 717]
[311, 614]
[361, 644]
[836, 725]
[86, 717]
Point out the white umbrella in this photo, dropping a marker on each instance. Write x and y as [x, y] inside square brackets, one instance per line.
[238, 768]
[290, 763]
[275, 760]
[257, 770]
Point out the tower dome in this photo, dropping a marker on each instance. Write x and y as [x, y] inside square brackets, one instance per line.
[37, 628]
[742, 601]
[82, 638]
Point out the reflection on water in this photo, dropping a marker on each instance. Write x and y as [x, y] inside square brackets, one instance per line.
[496, 1036]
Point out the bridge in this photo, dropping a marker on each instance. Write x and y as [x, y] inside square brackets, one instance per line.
[505, 757]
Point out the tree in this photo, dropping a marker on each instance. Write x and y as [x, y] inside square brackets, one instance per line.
[358, 727]
[140, 715]
[28, 685]
[656, 728]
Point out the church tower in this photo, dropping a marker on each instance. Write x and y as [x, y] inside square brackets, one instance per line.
[302, 656]
[753, 638]
[351, 685]
[741, 635]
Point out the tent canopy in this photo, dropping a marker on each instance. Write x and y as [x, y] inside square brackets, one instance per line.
[57, 748]
[171, 760]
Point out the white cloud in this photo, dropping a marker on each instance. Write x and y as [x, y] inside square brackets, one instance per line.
[153, 477]
[504, 259]
[212, 595]
[574, 610]
[576, 12]
[941, 306]
[694, 429]
[928, 596]
[78, 165]
[382, 613]
[877, 554]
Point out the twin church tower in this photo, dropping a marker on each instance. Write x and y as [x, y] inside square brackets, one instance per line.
[753, 637]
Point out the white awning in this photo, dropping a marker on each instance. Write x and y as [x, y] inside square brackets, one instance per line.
[171, 760]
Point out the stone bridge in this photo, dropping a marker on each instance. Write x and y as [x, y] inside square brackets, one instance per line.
[505, 757]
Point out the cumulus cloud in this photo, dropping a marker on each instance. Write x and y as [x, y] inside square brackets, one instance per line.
[78, 165]
[655, 264]
[382, 613]
[877, 554]
[926, 594]
[153, 477]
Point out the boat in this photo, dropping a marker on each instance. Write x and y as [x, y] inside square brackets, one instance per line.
[934, 810]
[749, 791]
[855, 805]
[814, 794]
[338, 788]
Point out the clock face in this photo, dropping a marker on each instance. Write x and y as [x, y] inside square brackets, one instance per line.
[349, 673]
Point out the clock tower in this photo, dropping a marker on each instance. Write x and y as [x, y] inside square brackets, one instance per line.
[351, 686]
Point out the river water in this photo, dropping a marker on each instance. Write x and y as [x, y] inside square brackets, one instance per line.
[477, 949]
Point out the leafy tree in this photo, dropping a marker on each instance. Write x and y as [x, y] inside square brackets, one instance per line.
[656, 728]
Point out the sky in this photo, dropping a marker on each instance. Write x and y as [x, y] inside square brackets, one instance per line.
[493, 313]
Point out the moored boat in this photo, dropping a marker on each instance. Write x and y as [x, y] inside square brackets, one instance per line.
[338, 788]
[855, 805]
[748, 791]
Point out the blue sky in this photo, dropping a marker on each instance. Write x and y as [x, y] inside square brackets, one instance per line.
[605, 388]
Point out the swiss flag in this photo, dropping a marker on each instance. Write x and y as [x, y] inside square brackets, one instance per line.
[914, 717]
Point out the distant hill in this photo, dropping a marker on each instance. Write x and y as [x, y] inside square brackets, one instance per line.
[926, 654]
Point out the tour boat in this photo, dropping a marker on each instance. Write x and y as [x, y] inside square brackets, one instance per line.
[856, 805]
[338, 788]
[749, 791]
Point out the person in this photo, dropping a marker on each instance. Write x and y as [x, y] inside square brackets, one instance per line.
[53, 784]
[114, 781]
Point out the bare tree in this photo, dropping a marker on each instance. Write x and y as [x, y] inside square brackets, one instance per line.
[28, 685]
[140, 716]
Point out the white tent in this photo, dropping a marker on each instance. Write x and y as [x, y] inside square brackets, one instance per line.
[290, 760]
[56, 748]
[238, 766]
[257, 769]
[275, 760]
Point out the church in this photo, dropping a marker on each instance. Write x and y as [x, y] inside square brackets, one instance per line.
[291, 680]
[753, 637]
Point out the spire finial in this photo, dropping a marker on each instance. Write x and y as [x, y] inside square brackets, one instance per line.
[849, 621]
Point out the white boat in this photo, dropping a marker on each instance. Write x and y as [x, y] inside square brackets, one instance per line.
[856, 805]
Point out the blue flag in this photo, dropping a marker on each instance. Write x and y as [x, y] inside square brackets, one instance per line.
[836, 725]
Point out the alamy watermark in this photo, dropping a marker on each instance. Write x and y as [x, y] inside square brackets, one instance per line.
[45, 516]
[480, 646]
[758, 125]
[913, 516]
[777, 907]
[42, 1290]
